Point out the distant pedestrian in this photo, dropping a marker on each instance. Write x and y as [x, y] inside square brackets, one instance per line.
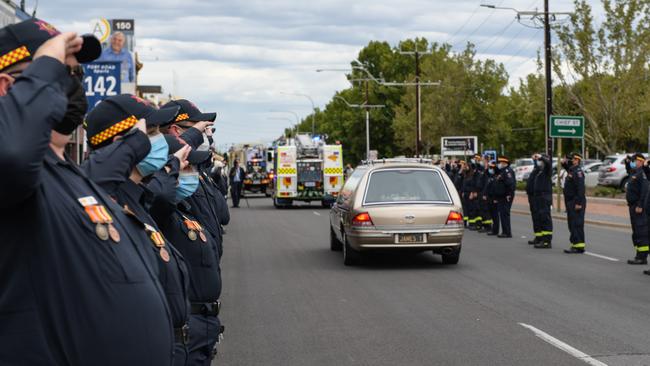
[236, 183]
[635, 194]
[348, 171]
[575, 202]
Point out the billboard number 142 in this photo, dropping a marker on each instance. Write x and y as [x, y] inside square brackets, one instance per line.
[104, 86]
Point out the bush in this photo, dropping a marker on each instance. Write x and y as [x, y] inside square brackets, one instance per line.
[605, 192]
[521, 186]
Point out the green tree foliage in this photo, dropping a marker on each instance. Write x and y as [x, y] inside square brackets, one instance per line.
[604, 71]
[601, 72]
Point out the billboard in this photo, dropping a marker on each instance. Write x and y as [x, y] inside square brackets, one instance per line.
[458, 145]
[101, 80]
[118, 41]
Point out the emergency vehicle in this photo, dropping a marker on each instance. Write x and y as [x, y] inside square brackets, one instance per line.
[307, 169]
[259, 169]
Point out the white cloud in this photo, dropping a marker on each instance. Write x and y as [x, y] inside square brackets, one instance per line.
[236, 57]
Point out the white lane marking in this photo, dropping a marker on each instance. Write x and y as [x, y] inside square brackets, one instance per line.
[316, 213]
[602, 257]
[563, 346]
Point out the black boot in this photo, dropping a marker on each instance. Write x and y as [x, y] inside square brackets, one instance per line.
[534, 241]
[646, 272]
[638, 261]
[504, 236]
[573, 250]
[492, 233]
[544, 245]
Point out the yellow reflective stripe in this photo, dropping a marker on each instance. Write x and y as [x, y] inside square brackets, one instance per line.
[643, 249]
[543, 233]
[579, 245]
[487, 222]
[465, 218]
[539, 234]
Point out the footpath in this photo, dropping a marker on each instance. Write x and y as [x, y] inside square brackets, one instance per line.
[608, 212]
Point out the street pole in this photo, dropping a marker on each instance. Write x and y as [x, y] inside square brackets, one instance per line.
[549, 82]
[559, 167]
[367, 122]
[417, 105]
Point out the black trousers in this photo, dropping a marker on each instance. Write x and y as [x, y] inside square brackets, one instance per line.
[542, 204]
[180, 354]
[486, 215]
[639, 232]
[503, 208]
[576, 222]
[204, 335]
[494, 215]
[533, 216]
[235, 193]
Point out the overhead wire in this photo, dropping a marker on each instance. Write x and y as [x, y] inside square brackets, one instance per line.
[448, 41]
[469, 37]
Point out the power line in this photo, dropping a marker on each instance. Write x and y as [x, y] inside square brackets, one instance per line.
[496, 37]
[482, 24]
[464, 24]
[521, 49]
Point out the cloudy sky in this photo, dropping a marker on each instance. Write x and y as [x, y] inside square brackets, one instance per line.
[239, 57]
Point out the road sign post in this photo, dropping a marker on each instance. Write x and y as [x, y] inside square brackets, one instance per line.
[569, 127]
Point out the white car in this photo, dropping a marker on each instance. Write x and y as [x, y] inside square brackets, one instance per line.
[591, 174]
[523, 168]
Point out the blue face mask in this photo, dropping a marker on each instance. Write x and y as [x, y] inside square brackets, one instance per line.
[491, 170]
[633, 164]
[157, 157]
[187, 185]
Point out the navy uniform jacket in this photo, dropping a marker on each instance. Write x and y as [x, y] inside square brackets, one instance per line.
[201, 257]
[543, 185]
[505, 184]
[202, 206]
[637, 188]
[574, 186]
[530, 182]
[110, 167]
[66, 297]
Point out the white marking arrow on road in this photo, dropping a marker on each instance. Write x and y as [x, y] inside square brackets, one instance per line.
[563, 346]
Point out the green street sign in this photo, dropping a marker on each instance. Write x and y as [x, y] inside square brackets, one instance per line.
[568, 127]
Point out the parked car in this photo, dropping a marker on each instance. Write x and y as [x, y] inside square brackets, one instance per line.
[592, 172]
[613, 172]
[523, 168]
[397, 204]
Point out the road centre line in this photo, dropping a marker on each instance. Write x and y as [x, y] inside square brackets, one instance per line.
[602, 257]
[316, 213]
[563, 346]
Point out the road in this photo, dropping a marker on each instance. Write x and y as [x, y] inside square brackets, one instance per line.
[288, 300]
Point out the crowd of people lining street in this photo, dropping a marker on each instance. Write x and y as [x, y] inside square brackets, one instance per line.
[115, 261]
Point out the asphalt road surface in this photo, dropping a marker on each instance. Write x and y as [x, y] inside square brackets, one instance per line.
[289, 300]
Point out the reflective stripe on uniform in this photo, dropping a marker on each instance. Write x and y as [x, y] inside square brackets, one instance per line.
[643, 249]
[579, 245]
[538, 235]
[544, 233]
[487, 222]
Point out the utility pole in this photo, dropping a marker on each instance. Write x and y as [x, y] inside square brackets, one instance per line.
[549, 80]
[418, 101]
[545, 18]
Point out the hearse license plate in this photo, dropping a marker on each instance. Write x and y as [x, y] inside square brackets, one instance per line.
[410, 238]
[256, 182]
[310, 184]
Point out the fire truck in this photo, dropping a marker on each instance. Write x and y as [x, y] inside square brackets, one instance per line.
[255, 162]
[307, 169]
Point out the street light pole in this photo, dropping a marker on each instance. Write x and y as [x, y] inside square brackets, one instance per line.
[313, 108]
[367, 107]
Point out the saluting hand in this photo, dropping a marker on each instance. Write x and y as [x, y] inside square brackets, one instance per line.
[60, 47]
[182, 155]
[638, 210]
[201, 126]
[578, 207]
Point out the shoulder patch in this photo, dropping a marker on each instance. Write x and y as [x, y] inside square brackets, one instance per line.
[580, 174]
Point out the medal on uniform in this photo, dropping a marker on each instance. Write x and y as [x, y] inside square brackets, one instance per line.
[164, 254]
[114, 234]
[192, 235]
[103, 221]
[202, 236]
[102, 231]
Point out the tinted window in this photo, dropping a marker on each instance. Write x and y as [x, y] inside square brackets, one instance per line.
[609, 160]
[406, 186]
[350, 185]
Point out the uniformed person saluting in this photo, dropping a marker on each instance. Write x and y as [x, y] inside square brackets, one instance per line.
[530, 189]
[504, 194]
[575, 202]
[199, 248]
[635, 194]
[542, 200]
[76, 287]
[490, 195]
[124, 156]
